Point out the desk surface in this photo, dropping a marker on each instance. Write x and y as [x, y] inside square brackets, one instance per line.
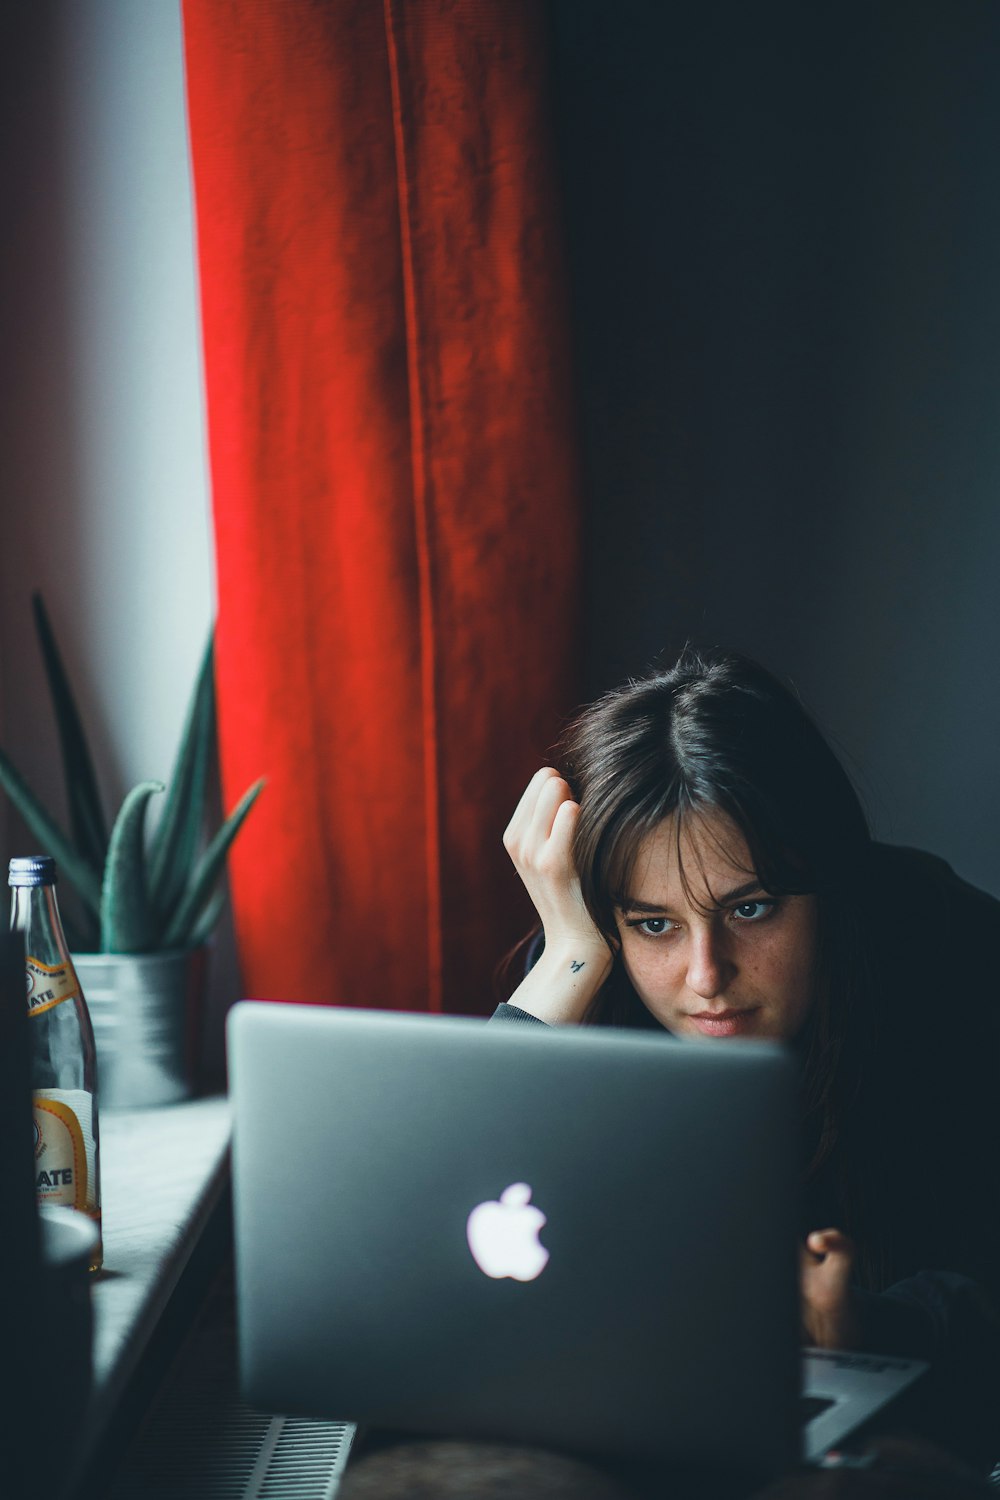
[162, 1172]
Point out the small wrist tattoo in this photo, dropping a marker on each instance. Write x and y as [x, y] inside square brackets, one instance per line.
[576, 967]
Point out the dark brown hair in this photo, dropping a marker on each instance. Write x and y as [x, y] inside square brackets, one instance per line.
[718, 732]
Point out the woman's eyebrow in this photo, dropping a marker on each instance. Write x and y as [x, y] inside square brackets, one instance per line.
[749, 888]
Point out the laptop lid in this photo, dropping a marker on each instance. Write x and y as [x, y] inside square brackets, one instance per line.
[574, 1237]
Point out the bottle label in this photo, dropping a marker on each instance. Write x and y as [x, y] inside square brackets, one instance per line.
[49, 985]
[62, 1174]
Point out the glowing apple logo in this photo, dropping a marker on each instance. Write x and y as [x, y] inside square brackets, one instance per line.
[503, 1235]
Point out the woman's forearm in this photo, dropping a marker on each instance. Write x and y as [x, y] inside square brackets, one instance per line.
[560, 987]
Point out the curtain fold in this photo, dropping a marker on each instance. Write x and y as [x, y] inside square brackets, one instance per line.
[394, 477]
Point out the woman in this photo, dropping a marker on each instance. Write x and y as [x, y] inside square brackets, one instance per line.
[700, 862]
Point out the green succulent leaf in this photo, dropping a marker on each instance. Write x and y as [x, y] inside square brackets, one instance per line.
[178, 831]
[83, 799]
[206, 923]
[50, 836]
[126, 922]
[183, 923]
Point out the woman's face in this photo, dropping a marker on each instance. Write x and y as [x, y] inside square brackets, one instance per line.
[727, 960]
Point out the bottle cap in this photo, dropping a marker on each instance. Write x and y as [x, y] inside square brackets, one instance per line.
[32, 869]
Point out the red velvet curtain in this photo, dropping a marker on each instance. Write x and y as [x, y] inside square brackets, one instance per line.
[393, 474]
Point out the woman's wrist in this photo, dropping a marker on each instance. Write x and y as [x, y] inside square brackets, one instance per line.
[564, 981]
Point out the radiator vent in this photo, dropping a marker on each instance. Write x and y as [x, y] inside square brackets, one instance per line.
[201, 1442]
[305, 1457]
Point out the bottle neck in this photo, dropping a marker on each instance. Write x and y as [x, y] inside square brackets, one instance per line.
[34, 911]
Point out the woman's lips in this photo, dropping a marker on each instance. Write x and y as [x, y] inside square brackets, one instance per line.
[724, 1022]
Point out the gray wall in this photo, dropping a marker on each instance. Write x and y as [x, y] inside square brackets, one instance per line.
[785, 244]
[104, 482]
[103, 476]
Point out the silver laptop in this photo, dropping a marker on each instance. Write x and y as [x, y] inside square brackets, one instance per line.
[578, 1238]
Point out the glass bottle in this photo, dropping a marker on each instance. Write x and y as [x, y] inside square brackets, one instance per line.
[63, 1056]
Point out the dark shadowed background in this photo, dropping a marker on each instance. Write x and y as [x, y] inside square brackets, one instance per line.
[784, 232]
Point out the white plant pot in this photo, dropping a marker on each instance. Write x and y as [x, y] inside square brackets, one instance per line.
[145, 1009]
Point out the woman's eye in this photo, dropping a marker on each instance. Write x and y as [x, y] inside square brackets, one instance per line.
[651, 926]
[753, 911]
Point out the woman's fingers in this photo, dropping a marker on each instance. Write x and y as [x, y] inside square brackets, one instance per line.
[830, 1242]
[554, 797]
[827, 1261]
[564, 822]
[828, 1309]
[539, 840]
[530, 827]
[525, 810]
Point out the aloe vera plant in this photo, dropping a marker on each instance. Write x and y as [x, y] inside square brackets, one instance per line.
[138, 894]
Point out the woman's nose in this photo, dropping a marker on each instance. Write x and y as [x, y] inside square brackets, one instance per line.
[709, 968]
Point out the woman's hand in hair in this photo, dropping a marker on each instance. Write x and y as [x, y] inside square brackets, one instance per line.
[829, 1316]
[576, 958]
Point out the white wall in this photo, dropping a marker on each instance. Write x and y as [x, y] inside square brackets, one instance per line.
[105, 490]
[103, 481]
